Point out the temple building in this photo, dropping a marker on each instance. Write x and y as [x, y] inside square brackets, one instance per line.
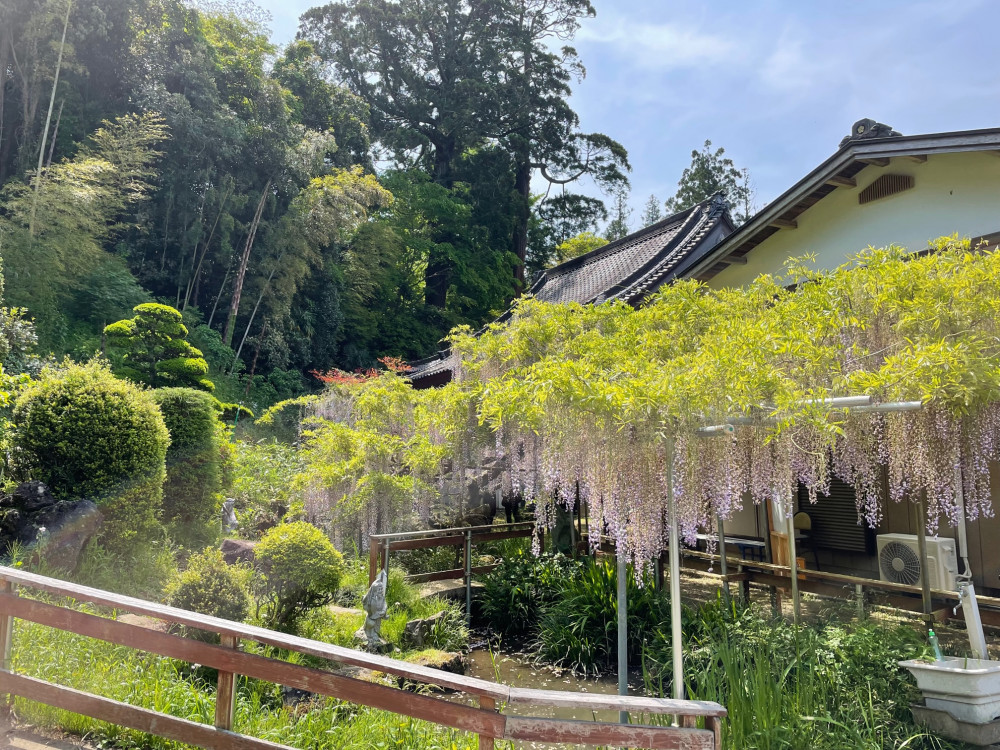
[878, 188]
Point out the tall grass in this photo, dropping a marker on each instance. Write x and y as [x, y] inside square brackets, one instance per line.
[178, 689]
[836, 685]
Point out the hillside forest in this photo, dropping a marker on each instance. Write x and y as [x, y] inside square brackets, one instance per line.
[400, 169]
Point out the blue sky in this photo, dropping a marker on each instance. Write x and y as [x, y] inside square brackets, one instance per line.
[777, 83]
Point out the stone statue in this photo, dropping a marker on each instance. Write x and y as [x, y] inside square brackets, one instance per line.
[229, 515]
[375, 610]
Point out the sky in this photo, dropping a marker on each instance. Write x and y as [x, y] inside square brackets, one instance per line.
[777, 83]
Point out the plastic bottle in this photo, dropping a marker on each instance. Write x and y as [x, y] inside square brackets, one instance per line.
[932, 637]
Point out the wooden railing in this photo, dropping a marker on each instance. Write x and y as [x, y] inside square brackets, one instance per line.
[837, 585]
[488, 720]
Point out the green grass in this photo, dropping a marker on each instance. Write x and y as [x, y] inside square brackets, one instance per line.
[173, 687]
[831, 687]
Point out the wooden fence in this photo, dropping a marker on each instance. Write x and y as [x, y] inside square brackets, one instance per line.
[488, 720]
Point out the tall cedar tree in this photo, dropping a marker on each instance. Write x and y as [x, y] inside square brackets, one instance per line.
[444, 77]
[713, 172]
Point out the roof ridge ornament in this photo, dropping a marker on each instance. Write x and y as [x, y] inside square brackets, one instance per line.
[868, 128]
[717, 205]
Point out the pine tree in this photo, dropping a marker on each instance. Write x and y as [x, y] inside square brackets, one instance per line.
[651, 213]
[712, 172]
[618, 227]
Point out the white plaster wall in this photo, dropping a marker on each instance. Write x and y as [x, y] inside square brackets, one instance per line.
[953, 193]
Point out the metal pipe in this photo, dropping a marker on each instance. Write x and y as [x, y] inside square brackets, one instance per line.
[675, 579]
[722, 556]
[973, 621]
[891, 406]
[468, 576]
[715, 429]
[622, 630]
[925, 581]
[793, 566]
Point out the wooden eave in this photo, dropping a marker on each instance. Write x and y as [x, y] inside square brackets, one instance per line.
[836, 173]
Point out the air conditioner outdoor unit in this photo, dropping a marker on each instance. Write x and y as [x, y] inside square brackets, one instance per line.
[899, 561]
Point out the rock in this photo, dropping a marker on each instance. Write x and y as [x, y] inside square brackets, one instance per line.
[70, 526]
[416, 632]
[446, 661]
[291, 697]
[55, 530]
[238, 551]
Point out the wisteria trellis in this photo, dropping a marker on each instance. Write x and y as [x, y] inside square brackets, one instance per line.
[570, 399]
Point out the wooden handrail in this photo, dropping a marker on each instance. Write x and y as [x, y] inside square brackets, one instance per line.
[485, 721]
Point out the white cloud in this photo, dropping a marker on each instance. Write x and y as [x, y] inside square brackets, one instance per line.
[661, 46]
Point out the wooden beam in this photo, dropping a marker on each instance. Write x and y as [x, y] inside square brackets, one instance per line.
[918, 158]
[734, 260]
[124, 715]
[784, 224]
[878, 161]
[532, 729]
[838, 181]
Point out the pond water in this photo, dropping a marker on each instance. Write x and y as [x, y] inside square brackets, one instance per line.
[520, 669]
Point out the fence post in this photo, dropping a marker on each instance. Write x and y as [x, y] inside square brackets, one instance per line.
[372, 560]
[487, 704]
[468, 576]
[225, 694]
[6, 642]
[385, 558]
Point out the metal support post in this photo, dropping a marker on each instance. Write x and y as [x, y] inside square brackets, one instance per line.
[859, 600]
[793, 565]
[622, 631]
[468, 576]
[925, 580]
[676, 644]
[723, 565]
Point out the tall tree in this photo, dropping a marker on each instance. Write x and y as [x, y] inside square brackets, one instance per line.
[430, 70]
[618, 227]
[651, 212]
[713, 172]
[540, 128]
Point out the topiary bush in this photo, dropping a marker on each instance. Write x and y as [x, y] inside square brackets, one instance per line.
[196, 464]
[86, 433]
[211, 587]
[154, 349]
[298, 569]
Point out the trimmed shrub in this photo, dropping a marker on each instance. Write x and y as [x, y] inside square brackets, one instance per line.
[298, 569]
[196, 469]
[211, 587]
[87, 434]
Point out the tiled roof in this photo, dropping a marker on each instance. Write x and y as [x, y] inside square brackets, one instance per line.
[628, 269]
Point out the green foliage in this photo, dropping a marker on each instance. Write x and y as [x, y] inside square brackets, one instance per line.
[61, 220]
[520, 590]
[154, 349]
[831, 685]
[712, 172]
[579, 629]
[209, 586]
[196, 464]
[581, 244]
[263, 487]
[87, 434]
[298, 570]
[170, 686]
[619, 227]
